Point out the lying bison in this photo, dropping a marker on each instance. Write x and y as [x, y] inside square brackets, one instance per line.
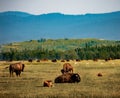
[67, 67]
[17, 68]
[68, 78]
[99, 75]
[48, 83]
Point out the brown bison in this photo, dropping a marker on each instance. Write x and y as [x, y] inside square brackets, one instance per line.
[54, 60]
[38, 60]
[99, 75]
[62, 60]
[95, 59]
[30, 60]
[77, 60]
[68, 78]
[17, 68]
[48, 83]
[67, 67]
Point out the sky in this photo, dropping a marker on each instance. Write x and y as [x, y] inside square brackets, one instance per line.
[61, 6]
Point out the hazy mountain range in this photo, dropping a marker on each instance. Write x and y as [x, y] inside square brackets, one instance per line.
[20, 26]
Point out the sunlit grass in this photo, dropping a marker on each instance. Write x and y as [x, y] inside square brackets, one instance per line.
[30, 84]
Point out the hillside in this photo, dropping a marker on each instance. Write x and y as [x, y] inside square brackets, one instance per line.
[61, 49]
[19, 26]
[58, 44]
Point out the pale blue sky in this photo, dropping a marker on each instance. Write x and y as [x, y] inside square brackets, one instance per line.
[62, 6]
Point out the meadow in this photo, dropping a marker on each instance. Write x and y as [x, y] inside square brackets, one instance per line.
[30, 84]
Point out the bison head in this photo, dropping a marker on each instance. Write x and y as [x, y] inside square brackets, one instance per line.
[75, 78]
[23, 65]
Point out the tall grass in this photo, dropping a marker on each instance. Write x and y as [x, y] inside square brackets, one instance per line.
[30, 84]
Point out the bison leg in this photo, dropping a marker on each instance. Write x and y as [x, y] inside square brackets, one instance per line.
[17, 73]
[11, 70]
[11, 73]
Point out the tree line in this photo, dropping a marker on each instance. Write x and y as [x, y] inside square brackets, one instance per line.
[86, 53]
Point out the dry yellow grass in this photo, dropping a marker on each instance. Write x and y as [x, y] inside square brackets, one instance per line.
[30, 84]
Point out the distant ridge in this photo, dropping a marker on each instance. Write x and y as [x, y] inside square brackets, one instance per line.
[16, 13]
[20, 26]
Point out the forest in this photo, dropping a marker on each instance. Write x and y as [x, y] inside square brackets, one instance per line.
[85, 49]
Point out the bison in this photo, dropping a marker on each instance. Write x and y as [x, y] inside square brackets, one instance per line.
[68, 78]
[99, 75]
[95, 59]
[30, 60]
[67, 67]
[54, 60]
[48, 83]
[38, 60]
[62, 60]
[17, 68]
[77, 60]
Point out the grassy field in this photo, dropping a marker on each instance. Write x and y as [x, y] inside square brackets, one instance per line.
[30, 84]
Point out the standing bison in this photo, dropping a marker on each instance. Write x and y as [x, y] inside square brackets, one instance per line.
[67, 67]
[68, 78]
[17, 68]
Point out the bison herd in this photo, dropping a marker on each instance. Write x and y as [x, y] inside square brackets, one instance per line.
[67, 75]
